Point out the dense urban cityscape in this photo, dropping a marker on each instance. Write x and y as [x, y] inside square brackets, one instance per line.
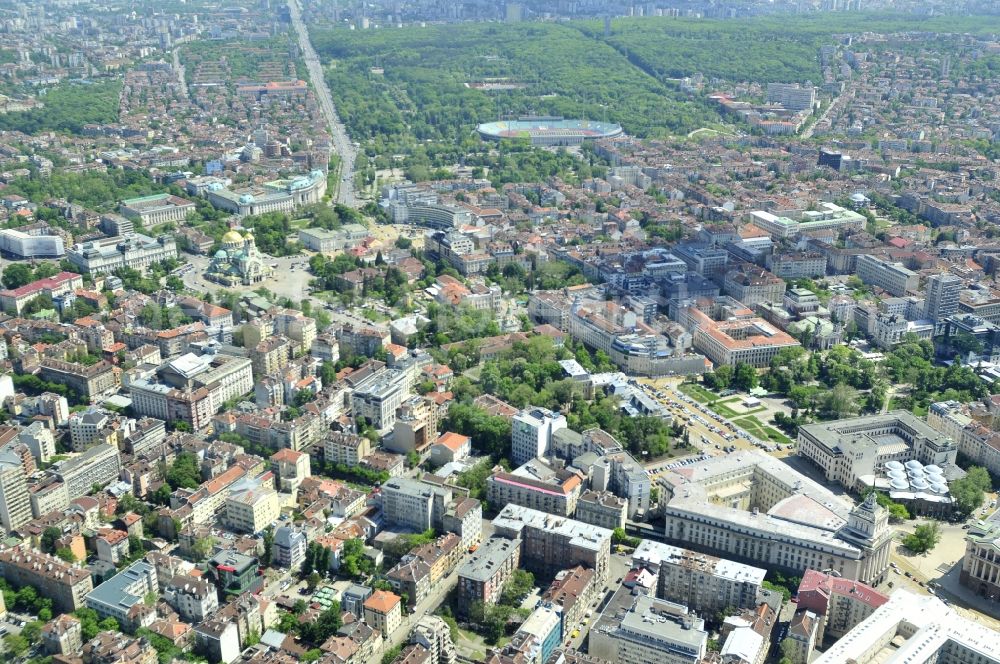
[538, 332]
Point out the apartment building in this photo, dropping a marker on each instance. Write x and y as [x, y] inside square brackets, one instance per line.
[552, 543]
[537, 485]
[701, 582]
[346, 448]
[122, 597]
[99, 465]
[15, 503]
[416, 426]
[94, 381]
[483, 574]
[270, 355]
[840, 604]
[639, 628]
[251, 506]
[290, 469]
[384, 612]
[66, 585]
[194, 598]
[601, 508]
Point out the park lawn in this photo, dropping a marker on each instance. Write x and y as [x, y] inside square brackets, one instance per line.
[757, 428]
[698, 393]
[724, 410]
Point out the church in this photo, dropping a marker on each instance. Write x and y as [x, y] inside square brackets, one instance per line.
[238, 262]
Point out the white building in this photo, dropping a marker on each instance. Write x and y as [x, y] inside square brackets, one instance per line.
[531, 433]
[915, 629]
[754, 507]
[110, 254]
[25, 245]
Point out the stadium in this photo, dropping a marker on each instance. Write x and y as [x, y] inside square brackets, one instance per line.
[548, 130]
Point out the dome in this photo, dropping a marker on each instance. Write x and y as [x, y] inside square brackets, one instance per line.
[939, 488]
[893, 465]
[899, 485]
[221, 253]
[919, 485]
[232, 237]
[215, 186]
[896, 475]
[248, 237]
[932, 470]
[914, 464]
[246, 199]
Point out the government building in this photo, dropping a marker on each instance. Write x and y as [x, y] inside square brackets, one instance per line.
[753, 508]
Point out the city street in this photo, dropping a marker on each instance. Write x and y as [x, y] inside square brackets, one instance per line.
[341, 142]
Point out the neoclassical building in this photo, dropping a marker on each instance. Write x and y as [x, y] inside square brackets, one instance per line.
[238, 262]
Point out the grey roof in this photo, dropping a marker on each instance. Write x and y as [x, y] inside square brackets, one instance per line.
[114, 591]
[482, 565]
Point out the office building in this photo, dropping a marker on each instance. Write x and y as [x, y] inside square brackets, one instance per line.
[854, 451]
[531, 433]
[235, 573]
[754, 507]
[192, 388]
[701, 582]
[135, 251]
[792, 96]
[482, 575]
[122, 597]
[16, 242]
[377, 397]
[893, 278]
[753, 285]
[289, 547]
[943, 292]
[552, 543]
[283, 195]
[645, 630]
[66, 585]
[915, 628]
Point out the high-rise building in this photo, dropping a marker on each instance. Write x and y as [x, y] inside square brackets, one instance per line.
[15, 503]
[531, 433]
[943, 291]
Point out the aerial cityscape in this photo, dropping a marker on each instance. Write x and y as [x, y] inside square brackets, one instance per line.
[475, 331]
